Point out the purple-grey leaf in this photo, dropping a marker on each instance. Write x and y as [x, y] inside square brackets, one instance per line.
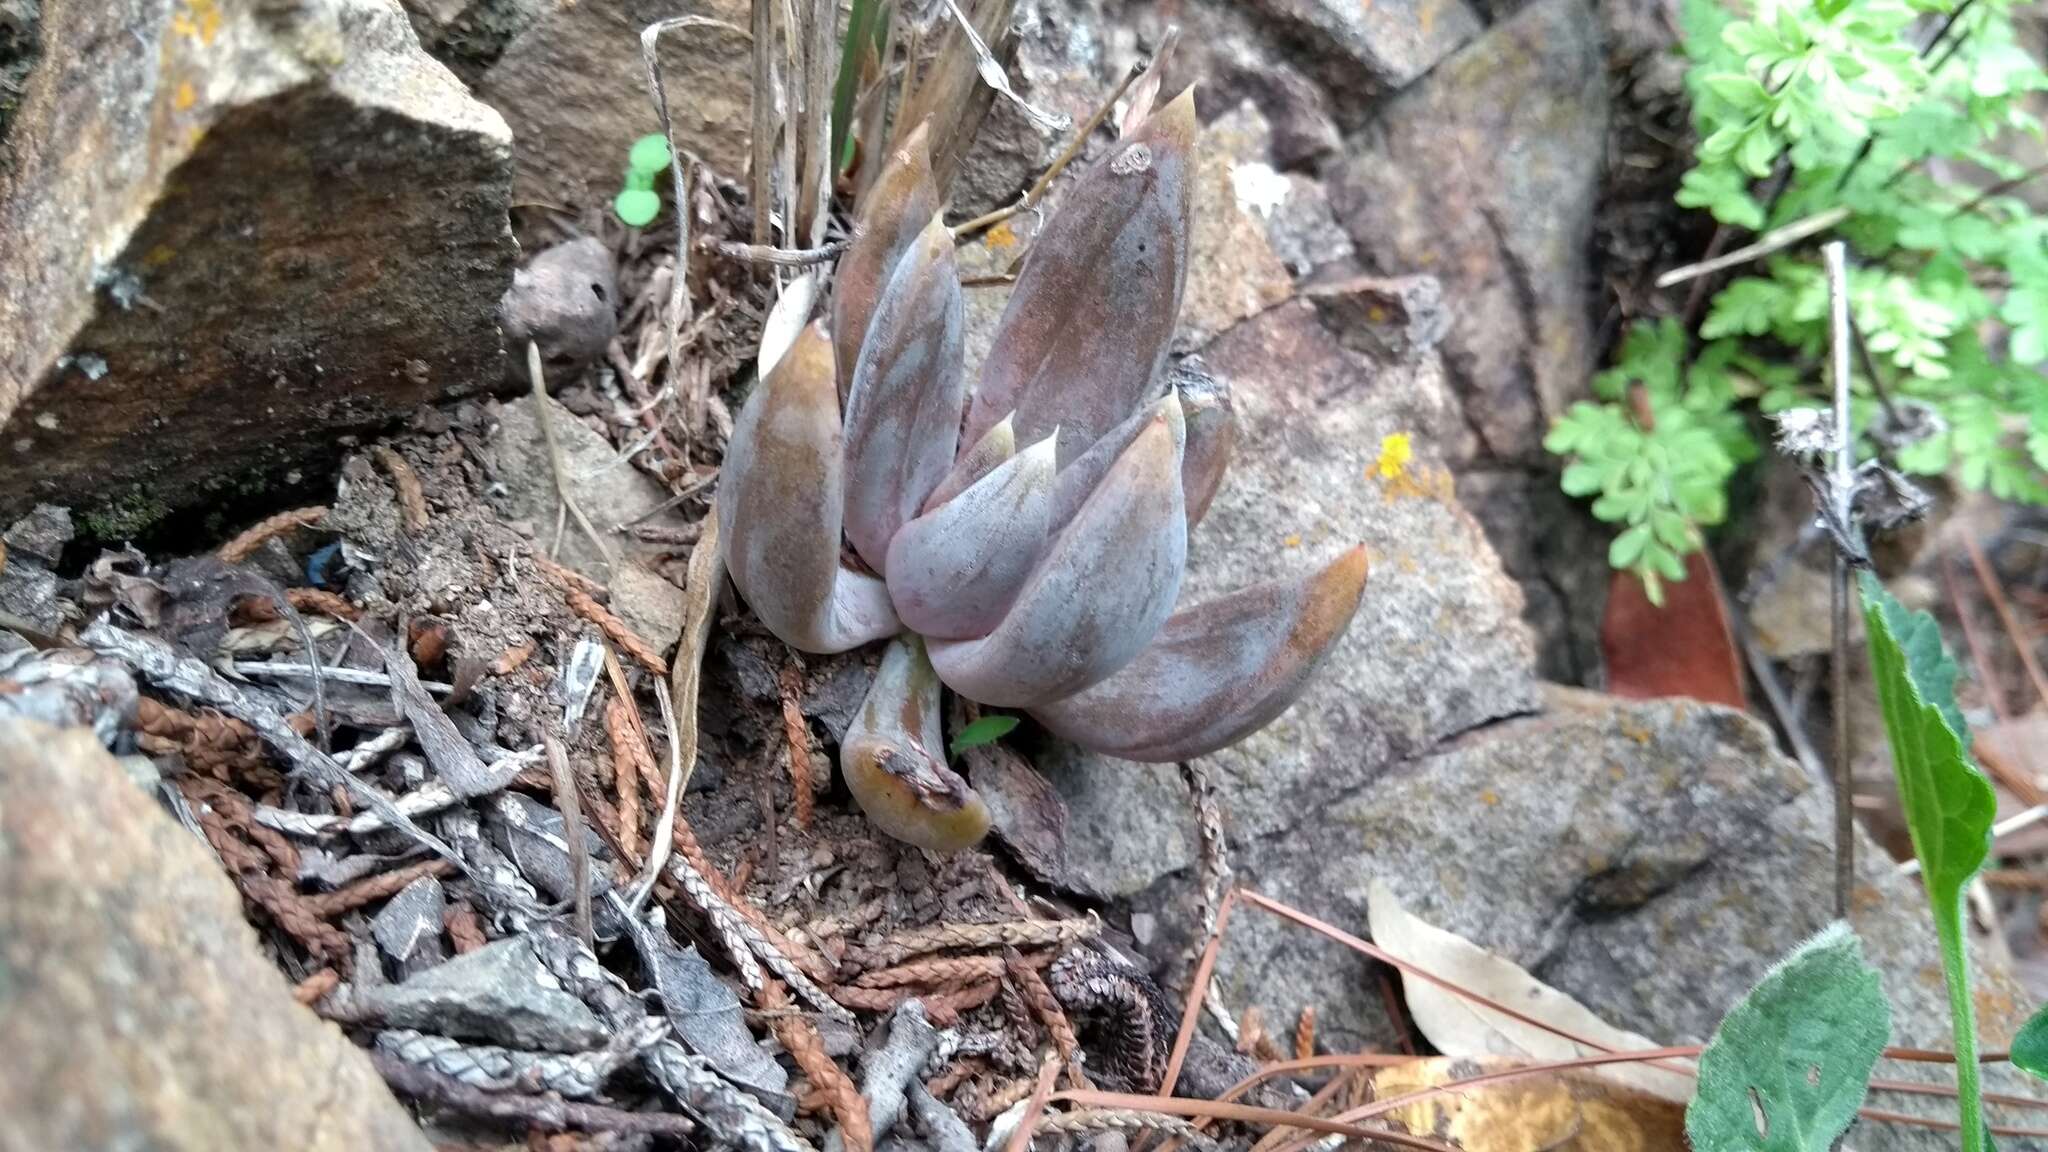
[1218, 672]
[955, 571]
[1087, 327]
[780, 505]
[1106, 584]
[995, 446]
[903, 416]
[892, 214]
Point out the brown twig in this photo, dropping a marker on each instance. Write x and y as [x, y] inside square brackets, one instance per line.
[217, 745]
[313, 988]
[465, 928]
[2018, 636]
[260, 611]
[1305, 1034]
[936, 971]
[288, 910]
[800, 1038]
[239, 814]
[244, 544]
[1046, 1007]
[383, 886]
[412, 496]
[643, 653]
[572, 833]
[977, 937]
[627, 770]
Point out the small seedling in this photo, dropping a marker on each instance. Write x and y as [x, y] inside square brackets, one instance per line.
[638, 203]
[986, 730]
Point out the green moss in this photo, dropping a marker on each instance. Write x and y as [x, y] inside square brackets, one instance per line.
[125, 517]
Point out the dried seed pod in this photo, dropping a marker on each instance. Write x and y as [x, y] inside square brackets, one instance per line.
[891, 767]
[1218, 672]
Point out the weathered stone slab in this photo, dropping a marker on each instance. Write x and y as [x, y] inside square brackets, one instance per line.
[232, 232]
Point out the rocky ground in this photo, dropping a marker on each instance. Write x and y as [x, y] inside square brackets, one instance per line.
[1417, 222]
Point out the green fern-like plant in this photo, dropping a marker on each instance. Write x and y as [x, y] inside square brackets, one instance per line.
[1835, 109]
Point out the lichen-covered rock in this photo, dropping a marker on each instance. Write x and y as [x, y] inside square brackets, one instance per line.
[1332, 448]
[574, 89]
[1485, 173]
[1379, 46]
[136, 1010]
[233, 233]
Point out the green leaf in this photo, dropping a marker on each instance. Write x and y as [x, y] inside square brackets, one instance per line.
[1947, 799]
[650, 153]
[1628, 547]
[1789, 1065]
[2030, 1045]
[986, 730]
[637, 206]
[860, 32]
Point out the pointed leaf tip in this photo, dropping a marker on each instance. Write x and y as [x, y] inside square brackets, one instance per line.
[1217, 672]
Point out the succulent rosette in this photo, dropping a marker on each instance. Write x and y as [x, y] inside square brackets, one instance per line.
[1023, 543]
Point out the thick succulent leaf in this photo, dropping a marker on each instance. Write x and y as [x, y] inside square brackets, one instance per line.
[1079, 479]
[779, 507]
[892, 214]
[903, 417]
[1212, 429]
[1218, 672]
[893, 758]
[1086, 329]
[1106, 584]
[995, 446]
[955, 571]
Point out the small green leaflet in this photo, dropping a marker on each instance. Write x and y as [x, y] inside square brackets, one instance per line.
[1789, 1066]
[986, 730]
[2030, 1046]
[1948, 802]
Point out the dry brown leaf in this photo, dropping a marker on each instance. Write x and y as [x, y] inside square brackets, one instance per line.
[1458, 1026]
[1551, 1112]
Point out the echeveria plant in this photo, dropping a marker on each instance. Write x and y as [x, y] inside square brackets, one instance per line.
[1024, 545]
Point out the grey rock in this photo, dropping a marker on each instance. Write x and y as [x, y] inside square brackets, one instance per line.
[1377, 47]
[566, 300]
[41, 535]
[470, 35]
[531, 833]
[1393, 318]
[1551, 545]
[1304, 231]
[574, 90]
[609, 490]
[495, 994]
[1651, 859]
[243, 235]
[137, 1009]
[1232, 271]
[1436, 649]
[69, 688]
[1485, 174]
[408, 927]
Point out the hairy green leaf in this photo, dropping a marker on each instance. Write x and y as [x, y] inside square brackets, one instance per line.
[2030, 1045]
[1947, 799]
[1789, 1065]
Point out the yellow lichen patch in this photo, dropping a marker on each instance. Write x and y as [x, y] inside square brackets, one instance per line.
[158, 256]
[1489, 797]
[1293, 540]
[185, 96]
[1633, 730]
[197, 20]
[1001, 236]
[1395, 451]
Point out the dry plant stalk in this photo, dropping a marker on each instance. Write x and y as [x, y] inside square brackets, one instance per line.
[412, 496]
[316, 600]
[1305, 1034]
[1047, 1008]
[974, 937]
[217, 745]
[465, 928]
[801, 1039]
[244, 545]
[615, 629]
[937, 971]
[370, 889]
[315, 988]
[566, 801]
[630, 762]
[239, 814]
[798, 736]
